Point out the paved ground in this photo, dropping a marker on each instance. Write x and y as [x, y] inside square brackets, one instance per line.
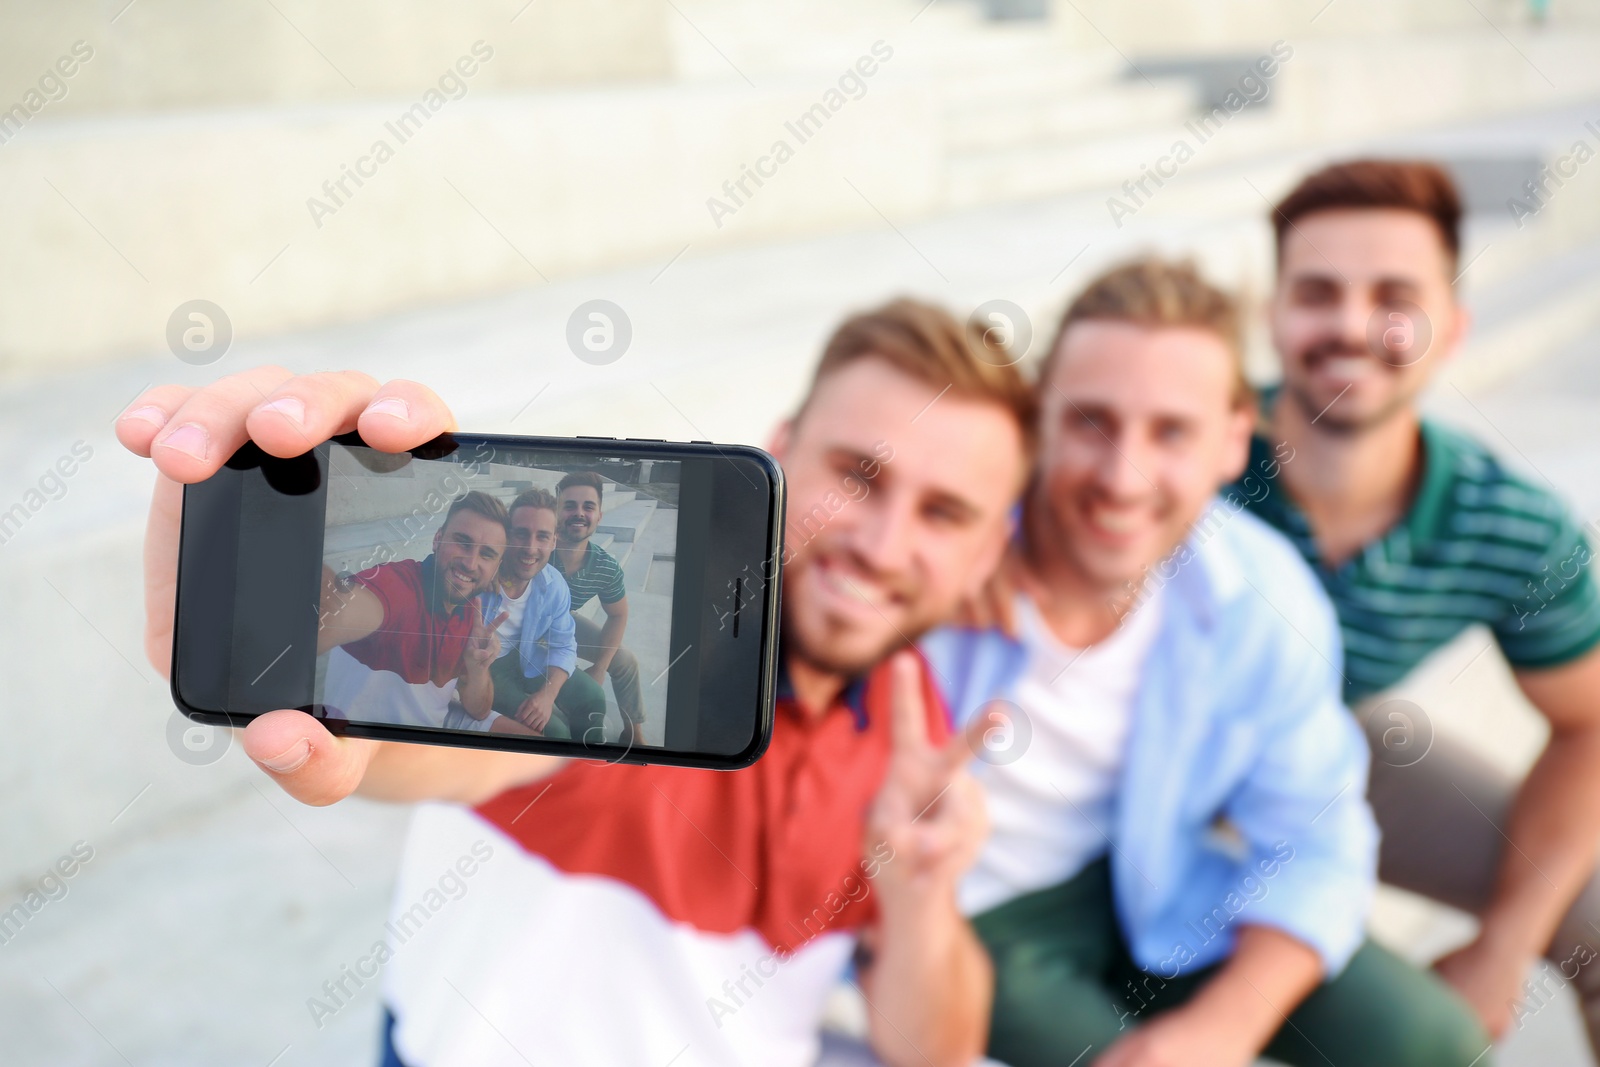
[212, 908]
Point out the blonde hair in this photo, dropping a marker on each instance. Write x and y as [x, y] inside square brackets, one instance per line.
[1158, 293]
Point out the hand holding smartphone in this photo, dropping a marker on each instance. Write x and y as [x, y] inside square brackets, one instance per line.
[388, 584]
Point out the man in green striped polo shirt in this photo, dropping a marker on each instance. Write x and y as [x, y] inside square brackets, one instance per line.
[1417, 532]
[590, 572]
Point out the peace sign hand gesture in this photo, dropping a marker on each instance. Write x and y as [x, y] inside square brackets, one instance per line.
[929, 811]
[483, 643]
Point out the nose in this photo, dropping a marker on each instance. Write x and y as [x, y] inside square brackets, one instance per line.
[883, 532]
[1355, 313]
[1121, 472]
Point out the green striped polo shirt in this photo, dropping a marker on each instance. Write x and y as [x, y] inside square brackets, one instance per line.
[1478, 545]
[599, 575]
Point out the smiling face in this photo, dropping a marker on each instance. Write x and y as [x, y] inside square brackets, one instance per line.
[580, 513]
[1140, 426]
[869, 572]
[467, 551]
[533, 538]
[1363, 314]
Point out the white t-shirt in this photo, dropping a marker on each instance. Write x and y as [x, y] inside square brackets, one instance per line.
[510, 631]
[1050, 808]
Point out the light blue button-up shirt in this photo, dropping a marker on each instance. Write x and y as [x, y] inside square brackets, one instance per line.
[548, 637]
[1242, 796]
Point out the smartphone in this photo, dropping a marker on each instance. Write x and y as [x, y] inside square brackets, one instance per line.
[591, 597]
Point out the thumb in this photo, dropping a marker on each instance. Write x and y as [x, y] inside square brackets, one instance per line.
[308, 762]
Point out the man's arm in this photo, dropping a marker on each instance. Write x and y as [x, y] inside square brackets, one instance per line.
[189, 434]
[610, 637]
[348, 612]
[929, 984]
[1234, 1014]
[1553, 831]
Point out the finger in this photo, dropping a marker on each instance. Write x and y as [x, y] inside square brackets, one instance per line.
[974, 736]
[908, 710]
[139, 423]
[498, 619]
[306, 410]
[299, 753]
[161, 571]
[402, 415]
[209, 425]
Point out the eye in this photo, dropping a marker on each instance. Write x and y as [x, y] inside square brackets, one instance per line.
[1172, 433]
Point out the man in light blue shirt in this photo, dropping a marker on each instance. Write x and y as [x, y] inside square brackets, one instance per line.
[1182, 858]
[535, 679]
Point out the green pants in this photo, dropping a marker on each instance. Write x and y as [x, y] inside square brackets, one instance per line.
[580, 705]
[1066, 986]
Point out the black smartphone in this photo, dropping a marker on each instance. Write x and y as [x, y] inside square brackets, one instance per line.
[591, 597]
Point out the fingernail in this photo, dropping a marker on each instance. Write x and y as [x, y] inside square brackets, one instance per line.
[290, 759]
[153, 415]
[191, 439]
[290, 407]
[390, 405]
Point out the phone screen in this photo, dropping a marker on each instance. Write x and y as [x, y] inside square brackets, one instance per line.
[520, 558]
[610, 601]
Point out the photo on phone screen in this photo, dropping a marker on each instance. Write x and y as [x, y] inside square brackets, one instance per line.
[609, 600]
[520, 560]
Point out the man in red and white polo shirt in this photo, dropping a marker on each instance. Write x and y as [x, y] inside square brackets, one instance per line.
[650, 915]
[405, 642]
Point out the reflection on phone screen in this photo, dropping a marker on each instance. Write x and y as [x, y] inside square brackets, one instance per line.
[501, 590]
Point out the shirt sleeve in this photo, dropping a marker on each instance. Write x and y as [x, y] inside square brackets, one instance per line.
[561, 636]
[615, 589]
[1558, 618]
[386, 583]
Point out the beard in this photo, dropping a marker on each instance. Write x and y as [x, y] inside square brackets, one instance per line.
[828, 644]
[1326, 418]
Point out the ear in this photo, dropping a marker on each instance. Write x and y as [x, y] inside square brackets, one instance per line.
[990, 553]
[1455, 333]
[781, 438]
[1236, 441]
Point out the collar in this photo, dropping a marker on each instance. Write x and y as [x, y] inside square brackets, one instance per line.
[854, 696]
[583, 561]
[1433, 488]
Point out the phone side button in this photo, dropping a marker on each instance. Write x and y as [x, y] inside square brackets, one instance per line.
[594, 437]
[651, 440]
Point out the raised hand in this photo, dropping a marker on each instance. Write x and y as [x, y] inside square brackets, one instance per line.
[483, 643]
[929, 811]
[189, 433]
[994, 605]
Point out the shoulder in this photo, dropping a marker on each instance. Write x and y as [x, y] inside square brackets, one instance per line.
[552, 584]
[400, 572]
[1255, 572]
[971, 667]
[1487, 497]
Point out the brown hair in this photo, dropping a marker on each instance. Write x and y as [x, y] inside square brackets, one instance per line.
[535, 498]
[1158, 293]
[590, 478]
[927, 343]
[1405, 184]
[482, 503]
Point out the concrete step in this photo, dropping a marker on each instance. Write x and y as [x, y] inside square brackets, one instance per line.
[625, 522]
[975, 126]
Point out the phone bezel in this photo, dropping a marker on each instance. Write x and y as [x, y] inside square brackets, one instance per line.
[736, 469]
